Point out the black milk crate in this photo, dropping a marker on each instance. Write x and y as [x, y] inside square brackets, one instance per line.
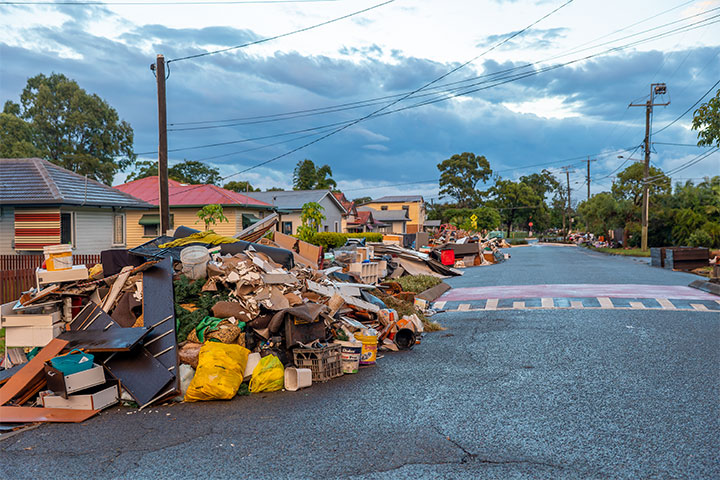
[325, 363]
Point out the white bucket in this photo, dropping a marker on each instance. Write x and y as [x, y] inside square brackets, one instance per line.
[350, 353]
[297, 378]
[253, 360]
[195, 260]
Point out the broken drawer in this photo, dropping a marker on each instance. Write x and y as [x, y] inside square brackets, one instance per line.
[63, 385]
[77, 272]
[31, 336]
[97, 398]
[31, 320]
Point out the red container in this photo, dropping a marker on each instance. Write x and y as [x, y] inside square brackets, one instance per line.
[447, 257]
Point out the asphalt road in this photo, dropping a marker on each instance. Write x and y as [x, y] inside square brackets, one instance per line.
[565, 393]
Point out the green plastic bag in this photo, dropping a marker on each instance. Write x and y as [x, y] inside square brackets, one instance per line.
[268, 375]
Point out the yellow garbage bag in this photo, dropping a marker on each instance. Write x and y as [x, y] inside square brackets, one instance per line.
[219, 373]
[268, 375]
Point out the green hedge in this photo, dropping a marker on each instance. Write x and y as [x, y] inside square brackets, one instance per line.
[330, 240]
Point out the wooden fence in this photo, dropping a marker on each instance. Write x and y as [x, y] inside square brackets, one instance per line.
[17, 272]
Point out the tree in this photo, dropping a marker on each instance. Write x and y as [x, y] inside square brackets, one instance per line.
[241, 187]
[144, 168]
[362, 200]
[187, 171]
[74, 129]
[706, 120]
[601, 212]
[15, 134]
[542, 183]
[307, 176]
[629, 183]
[274, 189]
[515, 200]
[212, 214]
[311, 217]
[459, 176]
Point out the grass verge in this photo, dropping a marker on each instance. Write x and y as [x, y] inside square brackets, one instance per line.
[418, 283]
[630, 252]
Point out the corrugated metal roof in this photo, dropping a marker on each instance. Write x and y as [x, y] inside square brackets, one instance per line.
[183, 194]
[294, 199]
[398, 199]
[25, 181]
[386, 215]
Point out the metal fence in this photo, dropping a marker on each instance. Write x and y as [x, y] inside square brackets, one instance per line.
[17, 272]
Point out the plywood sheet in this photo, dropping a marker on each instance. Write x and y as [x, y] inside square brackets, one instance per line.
[32, 414]
[32, 370]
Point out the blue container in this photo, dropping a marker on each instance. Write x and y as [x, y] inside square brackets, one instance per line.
[73, 362]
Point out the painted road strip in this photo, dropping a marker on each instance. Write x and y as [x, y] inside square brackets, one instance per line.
[665, 303]
[576, 304]
[548, 303]
[491, 304]
[637, 305]
[699, 307]
[678, 292]
[605, 302]
[519, 305]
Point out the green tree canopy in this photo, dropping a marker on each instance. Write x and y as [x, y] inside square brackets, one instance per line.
[515, 200]
[460, 175]
[16, 139]
[601, 212]
[307, 176]
[707, 121]
[361, 200]
[187, 171]
[240, 186]
[629, 183]
[72, 128]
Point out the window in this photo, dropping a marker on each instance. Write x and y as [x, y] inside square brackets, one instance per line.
[327, 229]
[337, 228]
[406, 207]
[287, 228]
[67, 228]
[118, 229]
[383, 207]
[151, 230]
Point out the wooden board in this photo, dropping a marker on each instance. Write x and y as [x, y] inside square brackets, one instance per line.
[31, 371]
[32, 414]
[111, 340]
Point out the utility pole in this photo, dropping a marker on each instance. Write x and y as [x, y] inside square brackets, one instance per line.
[159, 68]
[655, 89]
[588, 174]
[567, 209]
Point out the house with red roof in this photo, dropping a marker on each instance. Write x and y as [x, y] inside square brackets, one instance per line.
[185, 202]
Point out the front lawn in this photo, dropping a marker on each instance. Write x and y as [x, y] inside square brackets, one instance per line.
[631, 252]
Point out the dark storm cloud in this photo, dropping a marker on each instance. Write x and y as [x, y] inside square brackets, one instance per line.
[404, 146]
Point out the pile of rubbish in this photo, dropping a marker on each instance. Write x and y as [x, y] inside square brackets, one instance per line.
[200, 317]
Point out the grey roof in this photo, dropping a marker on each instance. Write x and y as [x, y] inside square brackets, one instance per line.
[432, 223]
[399, 199]
[386, 215]
[33, 181]
[294, 199]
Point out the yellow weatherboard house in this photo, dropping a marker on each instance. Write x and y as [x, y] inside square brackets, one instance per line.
[414, 207]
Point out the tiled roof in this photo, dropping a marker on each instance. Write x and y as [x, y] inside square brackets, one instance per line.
[386, 215]
[398, 199]
[183, 194]
[294, 199]
[34, 181]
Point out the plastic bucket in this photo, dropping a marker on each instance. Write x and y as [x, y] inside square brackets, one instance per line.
[297, 378]
[58, 257]
[350, 354]
[405, 339]
[368, 353]
[194, 260]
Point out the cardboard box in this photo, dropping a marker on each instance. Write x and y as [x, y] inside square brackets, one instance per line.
[63, 385]
[31, 336]
[96, 398]
[31, 320]
[77, 272]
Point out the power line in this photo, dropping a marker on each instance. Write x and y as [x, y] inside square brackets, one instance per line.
[689, 109]
[679, 144]
[305, 29]
[374, 101]
[174, 2]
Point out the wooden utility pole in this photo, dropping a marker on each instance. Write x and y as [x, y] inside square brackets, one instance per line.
[162, 147]
[588, 174]
[655, 89]
[567, 209]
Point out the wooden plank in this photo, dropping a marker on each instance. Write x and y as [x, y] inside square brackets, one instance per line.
[432, 294]
[32, 414]
[112, 340]
[30, 371]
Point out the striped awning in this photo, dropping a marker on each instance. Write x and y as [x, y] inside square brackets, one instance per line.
[36, 228]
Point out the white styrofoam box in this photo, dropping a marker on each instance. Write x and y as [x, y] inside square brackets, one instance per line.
[365, 269]
[95, 399]
[31, 320]
[31, 336]
[77, 272]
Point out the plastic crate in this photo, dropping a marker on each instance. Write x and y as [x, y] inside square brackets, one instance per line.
[325, 363]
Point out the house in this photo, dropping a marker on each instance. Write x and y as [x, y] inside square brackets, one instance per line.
[185, 202]
[350, 210]
[412, 204]
[388, 221]
[289, 204]
[44, 204]
[364, 221]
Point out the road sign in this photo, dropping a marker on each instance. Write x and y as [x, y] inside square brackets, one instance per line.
[474, 218]
[530, 224]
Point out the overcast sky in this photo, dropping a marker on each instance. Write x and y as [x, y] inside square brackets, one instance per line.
[517, 118]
